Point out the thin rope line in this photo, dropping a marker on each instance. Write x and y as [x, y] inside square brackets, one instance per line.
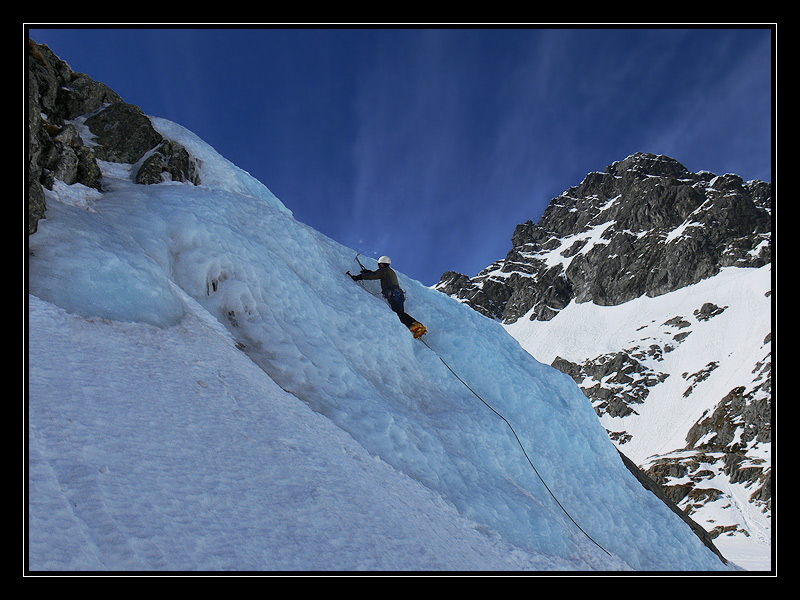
[520, 445]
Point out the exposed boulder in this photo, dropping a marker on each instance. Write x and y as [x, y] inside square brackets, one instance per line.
[123, 133]
[169, 161]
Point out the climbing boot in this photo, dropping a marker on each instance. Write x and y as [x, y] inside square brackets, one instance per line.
[418, 329]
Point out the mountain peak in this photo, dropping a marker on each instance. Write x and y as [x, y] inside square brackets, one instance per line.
[645, 163]
[644, 226]
[650, 241]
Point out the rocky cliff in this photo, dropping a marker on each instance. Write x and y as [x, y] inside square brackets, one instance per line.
[60, 102]
[657, 228]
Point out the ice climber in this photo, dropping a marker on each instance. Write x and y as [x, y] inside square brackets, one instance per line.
[390, 288]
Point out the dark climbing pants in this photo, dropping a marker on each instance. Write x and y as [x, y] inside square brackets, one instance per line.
[397, 301]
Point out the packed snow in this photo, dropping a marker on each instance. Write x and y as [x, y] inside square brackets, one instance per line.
[738, 332]
[209, 391]
[715, 356]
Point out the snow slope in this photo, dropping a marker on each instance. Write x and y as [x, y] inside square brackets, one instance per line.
[208, 391]
[734, 339]
[706, 359]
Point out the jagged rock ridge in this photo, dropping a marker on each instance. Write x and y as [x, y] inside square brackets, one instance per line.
[646, 225]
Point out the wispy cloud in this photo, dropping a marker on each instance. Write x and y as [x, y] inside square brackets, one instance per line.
[721, 118]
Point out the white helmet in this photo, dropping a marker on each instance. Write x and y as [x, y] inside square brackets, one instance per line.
[384, 260]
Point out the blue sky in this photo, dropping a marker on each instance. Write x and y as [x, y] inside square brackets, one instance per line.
[431, 145]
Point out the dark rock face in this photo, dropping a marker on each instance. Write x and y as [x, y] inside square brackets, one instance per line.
[59, 101]
[123, 132]
[644, 226]
[169, 160]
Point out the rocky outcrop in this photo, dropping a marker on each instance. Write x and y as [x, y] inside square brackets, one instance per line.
[656, 488]
[644, 226]
[74, 122]
[615, 383]
[169, 160]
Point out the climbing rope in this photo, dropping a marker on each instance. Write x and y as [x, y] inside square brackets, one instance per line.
[490, 407]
